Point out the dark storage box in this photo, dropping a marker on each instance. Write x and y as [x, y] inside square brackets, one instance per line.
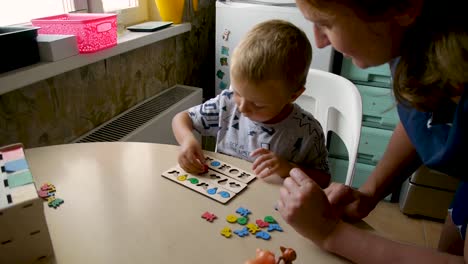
[18, 47]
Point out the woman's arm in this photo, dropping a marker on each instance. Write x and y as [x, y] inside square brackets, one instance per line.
[305, 207]
[361, 246]
[399, 161]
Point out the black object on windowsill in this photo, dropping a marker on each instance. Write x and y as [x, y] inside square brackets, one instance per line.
[18, 47]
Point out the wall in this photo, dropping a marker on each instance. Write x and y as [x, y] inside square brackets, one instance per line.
[60, 109]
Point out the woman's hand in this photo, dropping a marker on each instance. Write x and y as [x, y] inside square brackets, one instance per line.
[304, 206]
[348, 203]
[268, 163]
[191, 157]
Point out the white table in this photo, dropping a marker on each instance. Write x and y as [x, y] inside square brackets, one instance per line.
[118, 209]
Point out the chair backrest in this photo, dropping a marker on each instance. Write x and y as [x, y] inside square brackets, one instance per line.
[336, 103]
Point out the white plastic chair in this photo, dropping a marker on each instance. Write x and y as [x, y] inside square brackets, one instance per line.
[336, 103]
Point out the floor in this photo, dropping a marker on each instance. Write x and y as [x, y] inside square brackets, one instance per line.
[388, 221]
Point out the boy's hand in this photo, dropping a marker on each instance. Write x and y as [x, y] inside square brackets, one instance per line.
[191, 157]
[268, 163]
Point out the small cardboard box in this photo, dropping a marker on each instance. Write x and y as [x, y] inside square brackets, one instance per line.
[56, 47]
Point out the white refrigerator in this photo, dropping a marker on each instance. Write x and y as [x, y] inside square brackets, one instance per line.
[235, 18]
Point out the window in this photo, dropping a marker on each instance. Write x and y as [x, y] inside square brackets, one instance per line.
[129, 11]
[113, 5]
[22, 11]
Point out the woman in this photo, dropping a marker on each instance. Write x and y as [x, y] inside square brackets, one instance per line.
[426, 44]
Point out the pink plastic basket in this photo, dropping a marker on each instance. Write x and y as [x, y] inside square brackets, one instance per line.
[93, 32]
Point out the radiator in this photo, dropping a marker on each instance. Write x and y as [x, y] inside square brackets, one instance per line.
[148, 121]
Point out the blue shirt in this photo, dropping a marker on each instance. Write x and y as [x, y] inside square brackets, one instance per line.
[441, 141]
[440, 138]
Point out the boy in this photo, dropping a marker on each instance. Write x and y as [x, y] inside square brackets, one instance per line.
[256, 119]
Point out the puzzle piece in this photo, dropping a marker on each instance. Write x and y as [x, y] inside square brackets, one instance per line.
[270, 219]
[182, 177]
[274, 227]
[261, 223]
[193, 180]
[231, 218]
[209, 216]
[56, 203]
[263, 235]
[50, 199]
[226, 232]
[212, 191]
[242, 232]
[48, 187]
[242, 220]
[242, 211]
[44, 194]
[224, 194]
[253, 228]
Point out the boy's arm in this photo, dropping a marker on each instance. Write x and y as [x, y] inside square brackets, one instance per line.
[182, 127]
[191, 157]
[316, 163]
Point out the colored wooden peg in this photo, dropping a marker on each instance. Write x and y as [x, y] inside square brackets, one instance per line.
[48, 187]
[43, 194]
[269, 219]
[242, 220]
[182, 177]
[212, 191]
[253, 228]
[224, 194]
[231, 218]
[56, 203]
[274, 227]
[209, 216]
[193, 180]
[242, 232]
[215, 163]
[226, 232]
[261, 223]
[263, 235]
[242, 211]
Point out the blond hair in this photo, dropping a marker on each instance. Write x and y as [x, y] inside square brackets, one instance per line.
[273, 50]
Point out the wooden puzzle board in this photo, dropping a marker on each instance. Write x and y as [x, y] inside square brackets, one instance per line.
[222, 182]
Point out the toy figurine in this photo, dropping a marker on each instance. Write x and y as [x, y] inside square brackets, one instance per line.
[288, 255]
[262, 257]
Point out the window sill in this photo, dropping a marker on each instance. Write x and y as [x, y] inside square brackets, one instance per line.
[16, 79]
